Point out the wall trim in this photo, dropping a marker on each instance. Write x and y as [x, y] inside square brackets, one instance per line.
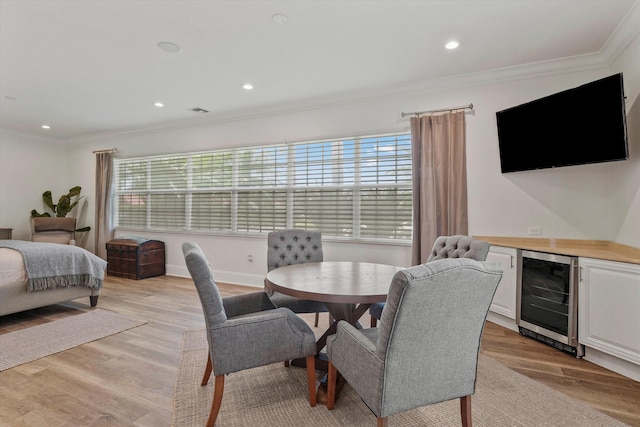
[31, 136]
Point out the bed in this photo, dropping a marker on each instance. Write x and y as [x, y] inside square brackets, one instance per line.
[36, 274]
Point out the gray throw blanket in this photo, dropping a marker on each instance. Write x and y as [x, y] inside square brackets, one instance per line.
[52, 265]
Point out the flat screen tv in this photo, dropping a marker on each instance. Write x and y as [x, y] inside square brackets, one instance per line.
[583, 125]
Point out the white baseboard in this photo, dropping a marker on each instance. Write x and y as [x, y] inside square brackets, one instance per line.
[612, 363]
[221, 276]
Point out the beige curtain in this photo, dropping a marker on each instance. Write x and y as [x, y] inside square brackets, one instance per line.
[439, 180]
[104, 203]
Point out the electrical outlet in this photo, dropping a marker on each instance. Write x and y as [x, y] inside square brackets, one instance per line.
[534, 229]
[250, 258]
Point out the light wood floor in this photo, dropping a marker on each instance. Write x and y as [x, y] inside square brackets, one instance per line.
[127, 379]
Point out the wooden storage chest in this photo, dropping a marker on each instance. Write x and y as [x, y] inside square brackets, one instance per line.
[135, 258]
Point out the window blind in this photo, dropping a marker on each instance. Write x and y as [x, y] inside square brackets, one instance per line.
[356, 188]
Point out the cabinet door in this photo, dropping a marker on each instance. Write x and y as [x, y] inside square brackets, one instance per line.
[504, 301]
[608, 314]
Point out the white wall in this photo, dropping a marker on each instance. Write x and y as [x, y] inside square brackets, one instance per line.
[570, 202]
[28, 167]
[625, 201]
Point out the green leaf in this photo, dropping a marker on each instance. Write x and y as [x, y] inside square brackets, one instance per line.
[64, 206]
[46, 196]
[75, 191]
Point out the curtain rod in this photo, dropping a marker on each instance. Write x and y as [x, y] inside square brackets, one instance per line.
[418, 113]
[109, 150]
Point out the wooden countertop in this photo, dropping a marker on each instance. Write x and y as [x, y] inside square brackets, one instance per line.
[599, 249]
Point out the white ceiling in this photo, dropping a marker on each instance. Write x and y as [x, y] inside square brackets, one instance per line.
[93, 66]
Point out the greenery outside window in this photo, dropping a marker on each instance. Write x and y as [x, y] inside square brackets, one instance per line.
[354, 188]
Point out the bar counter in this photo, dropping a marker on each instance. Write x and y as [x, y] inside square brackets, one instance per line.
[598, 249]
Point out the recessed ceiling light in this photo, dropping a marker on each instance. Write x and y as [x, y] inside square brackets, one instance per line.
[279, 18]
[247, 86]
[169, 47]
[45, 127]
[453, 44]
[158, 104]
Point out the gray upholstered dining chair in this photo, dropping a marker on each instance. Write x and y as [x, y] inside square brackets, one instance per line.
[294, 246]
[426, 348]
[246, 331]
[456, 246]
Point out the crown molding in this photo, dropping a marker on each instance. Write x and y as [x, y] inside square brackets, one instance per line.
[627, 31]
[32, 136]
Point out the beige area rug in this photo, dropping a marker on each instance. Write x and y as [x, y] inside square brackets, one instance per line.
[277, 396]
[27, 345]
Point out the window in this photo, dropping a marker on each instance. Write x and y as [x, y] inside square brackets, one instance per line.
[357, 188]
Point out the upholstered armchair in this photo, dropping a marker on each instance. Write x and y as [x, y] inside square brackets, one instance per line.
[53, 230]
[246, 331]
[426, 348]
[294, 246]
[457, 246]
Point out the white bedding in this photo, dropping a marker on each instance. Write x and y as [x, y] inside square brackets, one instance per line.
[14, 279]
[11, 266]
[52, 265]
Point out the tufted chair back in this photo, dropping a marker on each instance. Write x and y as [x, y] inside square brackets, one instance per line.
[206, 286]
[456, 246]
[459, 246]
[293, 246]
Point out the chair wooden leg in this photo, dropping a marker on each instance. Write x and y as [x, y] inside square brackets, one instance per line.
[465, 411]
[317, 318]
[383, 421]
[286, 363]
[311, 378]
[374, 322]
[217, 400]
[207, 371]
[331, 385]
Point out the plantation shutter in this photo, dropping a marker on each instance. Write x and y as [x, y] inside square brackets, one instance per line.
[358, 188]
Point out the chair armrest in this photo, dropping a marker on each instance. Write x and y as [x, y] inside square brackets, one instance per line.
[350, 338]
[247, 342]
[239, 305]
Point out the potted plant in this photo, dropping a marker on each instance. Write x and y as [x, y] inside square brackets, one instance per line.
[65, 204]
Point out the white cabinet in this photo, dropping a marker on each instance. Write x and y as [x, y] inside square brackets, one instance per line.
[609, 309]
[504, 300]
